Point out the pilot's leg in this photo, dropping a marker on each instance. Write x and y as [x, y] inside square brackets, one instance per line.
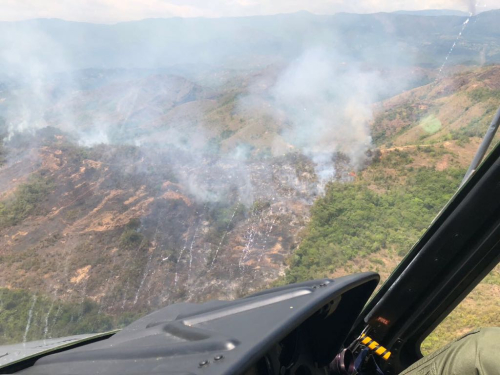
[478, 352]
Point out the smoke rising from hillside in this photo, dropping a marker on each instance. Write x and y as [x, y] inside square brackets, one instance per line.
[324, 102]
[320, 103]
[329, 105]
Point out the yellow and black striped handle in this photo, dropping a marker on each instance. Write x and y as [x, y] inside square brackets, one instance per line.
[375, 346]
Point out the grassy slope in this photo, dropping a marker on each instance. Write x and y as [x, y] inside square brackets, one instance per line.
[454, 108]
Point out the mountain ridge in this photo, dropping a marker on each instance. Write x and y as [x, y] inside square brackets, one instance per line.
[226, 42]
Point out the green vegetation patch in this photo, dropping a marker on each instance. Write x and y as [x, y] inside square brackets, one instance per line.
[482, 94]
[391, 123]
[361, 218]
[477, 127]
[131, 239]
[27, 201]
[28, 316]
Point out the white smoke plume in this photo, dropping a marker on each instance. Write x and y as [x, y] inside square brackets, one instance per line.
[472, 6]
[320, 103]
[326, 103]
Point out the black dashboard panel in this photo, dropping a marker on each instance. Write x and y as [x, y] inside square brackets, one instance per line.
[301, 325]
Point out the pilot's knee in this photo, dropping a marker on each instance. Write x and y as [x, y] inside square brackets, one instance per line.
[488, 349]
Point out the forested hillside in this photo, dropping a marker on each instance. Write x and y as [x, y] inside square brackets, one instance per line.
[387, 207]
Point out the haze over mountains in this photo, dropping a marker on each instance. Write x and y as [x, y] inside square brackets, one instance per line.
[95, 81]
[382, 39]
[167, 160]
[434, 12]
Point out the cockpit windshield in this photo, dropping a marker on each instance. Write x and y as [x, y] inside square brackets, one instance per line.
[182, 151]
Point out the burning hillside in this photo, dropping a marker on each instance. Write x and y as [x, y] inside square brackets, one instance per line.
[133, 229]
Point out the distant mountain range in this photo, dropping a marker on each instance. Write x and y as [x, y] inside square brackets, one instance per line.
[383, 39]
[434, 12]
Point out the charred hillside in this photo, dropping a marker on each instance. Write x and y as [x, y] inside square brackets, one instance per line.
[119, 225]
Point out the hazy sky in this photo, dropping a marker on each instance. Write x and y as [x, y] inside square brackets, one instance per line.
[110, 11]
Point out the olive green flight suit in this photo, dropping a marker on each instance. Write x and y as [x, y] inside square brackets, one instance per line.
[476, 353]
